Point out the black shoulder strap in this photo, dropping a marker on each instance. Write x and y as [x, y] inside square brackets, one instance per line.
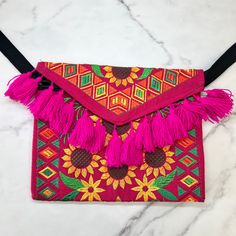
[23, 65]
[223, 63]
[14, 55]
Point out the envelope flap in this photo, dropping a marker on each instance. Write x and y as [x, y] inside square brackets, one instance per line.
[122, 94]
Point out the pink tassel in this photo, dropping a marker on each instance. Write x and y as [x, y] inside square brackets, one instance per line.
[16, 84]
[131, 155]
[190, 114]
[217, 103]
[99, 137]
[160, 131]
[83, 132]
[113, 150]
[26, 91]
[67, 117]
[175, 125]
[40, 102]
[143, 138]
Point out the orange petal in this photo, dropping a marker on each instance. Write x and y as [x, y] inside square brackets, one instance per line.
[77, 173]
[107, 68]
[162, 170]
[109, 75]
[67, 151]
[84, 172]
[135, 69]
[90, 169]
[109, 181]
[124, 82]
[118, 82]
[130, 80]
[67, 164]
[133, 75]
[115, 184]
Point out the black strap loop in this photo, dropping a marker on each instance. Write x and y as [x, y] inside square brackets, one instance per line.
[14, 55]
[23, 65]
[223, 63]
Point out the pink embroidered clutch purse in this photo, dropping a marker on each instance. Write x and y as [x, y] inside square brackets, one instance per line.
[106, 133]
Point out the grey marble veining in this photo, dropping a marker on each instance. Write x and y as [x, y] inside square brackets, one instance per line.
[163, 33]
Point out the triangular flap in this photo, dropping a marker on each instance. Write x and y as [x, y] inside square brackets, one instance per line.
[122, 94]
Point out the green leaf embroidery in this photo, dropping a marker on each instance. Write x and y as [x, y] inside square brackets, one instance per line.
[71, 182]
[71, 196]
[145, 74]
[97, 70]
[167, 194]
[164, 180]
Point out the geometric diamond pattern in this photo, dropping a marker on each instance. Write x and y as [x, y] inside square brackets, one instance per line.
[47, 133]
[48, 152]
[150, 83]
[47, 192]
[47, 172]
[189, 180]
[187, 160]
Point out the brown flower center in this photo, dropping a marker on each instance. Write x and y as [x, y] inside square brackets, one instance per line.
[155, 159]
[118, 173]
[120, 129]
[80, 158]
[121, 72]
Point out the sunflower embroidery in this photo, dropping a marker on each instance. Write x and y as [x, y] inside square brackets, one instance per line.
[79, 161]
[117, 176]
[145, 189]
[121, 75]
[91, 190]
[158, 161]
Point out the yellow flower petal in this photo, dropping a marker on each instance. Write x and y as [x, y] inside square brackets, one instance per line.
[169, 154]
[96, 157]
[139, 182]
[107, 68]
[130, 80]
[85, 195]
[170, 160]
[167, 166]
[109, 75]
[144, 166]
[66, 158]
[72, 148]
[90, 197]
[124, 82]
[128, 180]
[162, 170]
[97, 197]
[145, 179]
[67, 164]
[145, 196]
[103, 169]
[149, 171]
[84, 172]
[131, 174]
[105, 176]
[86, 185]
[133, 75]
[77, 173]
[166, 148]
[156, 172]
[137, 188]
[118, 82]
[109, 181]
[103, 162]
[134, 69]
[67, 151]
[99, 190]
[90, 169]
[95, 185]
[115, 184]
[71, 169]
[122, 183]
[94, 164]
[139, 195]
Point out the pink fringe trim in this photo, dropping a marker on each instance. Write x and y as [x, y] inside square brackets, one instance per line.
[152, 132]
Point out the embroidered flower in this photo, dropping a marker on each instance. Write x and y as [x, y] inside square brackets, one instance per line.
[117, 176]
[145, 189]
[79, 161]
[91, 190]
[158, 161]
[121, 75]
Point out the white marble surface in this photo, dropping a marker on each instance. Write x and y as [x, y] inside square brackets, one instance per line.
[165, 33]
